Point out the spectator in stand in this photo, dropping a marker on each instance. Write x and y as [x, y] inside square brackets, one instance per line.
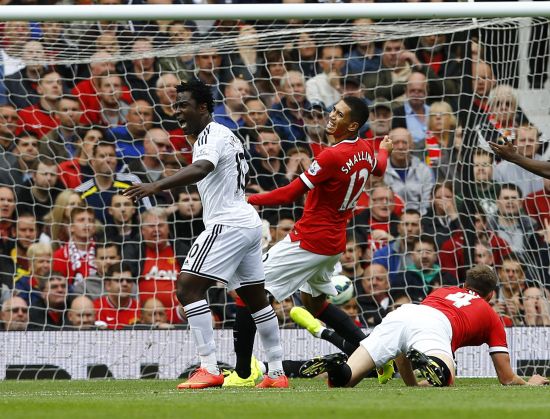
[9, 126]
[350, 261]
[75, 260]
[304, 55]
[455, 254]
[364, 56]
[38, 193]
[537, 204]
[483, 83]
[424, 274]
[246, 62]
[396, 66]
[129, 137]
[511, 291]
[271, 74]
[49, 311]
[61, 143]
[298, 160]
[282, 310]
[439, 149]
[107, 255]
[78, 170]
[230, 113]
[98, 191]
[536, 307]
[113, 109]
[7, 219]
[482, 191]
[165, 115]
[326, 87]
[142, 73]
[208, 69]
[373, 294]
[26, 233]
[117, 308]
[153, 314]
[156, 260]
[81, 314]
[87, 91]
[395, 257]
[442, 219]
[14, 314]
[483, 255]
[287, 115]
[378, 216]
[27, 286]
[21, 86]
[15, 36]
[255, 118]
[509, 222]
[268, 170]
[38, 119]
[435, 52]
[24, 159]
[187, 218]
[58, 218]
[315, 122]
[527, 143]
[380, 121]
[413, 114]
[125, 228]
[280, 226]
[180, 34]
[406, 175]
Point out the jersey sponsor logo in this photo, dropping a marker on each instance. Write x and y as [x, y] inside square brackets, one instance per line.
[314, 168]
[161, 274]
[357, 157]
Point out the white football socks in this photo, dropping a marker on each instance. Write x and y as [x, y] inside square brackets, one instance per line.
[200, 322]
[268, 329]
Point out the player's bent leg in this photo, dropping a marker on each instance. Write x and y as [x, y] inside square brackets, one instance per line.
[268, 328]
[361, 364]
[432, 368]
[191, 291]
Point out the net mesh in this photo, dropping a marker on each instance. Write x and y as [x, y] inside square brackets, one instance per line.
[449, 84]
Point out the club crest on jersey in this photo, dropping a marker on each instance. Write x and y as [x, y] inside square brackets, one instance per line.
[314, 168]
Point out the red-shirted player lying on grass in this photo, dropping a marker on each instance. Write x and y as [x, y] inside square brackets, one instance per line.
[425, 336]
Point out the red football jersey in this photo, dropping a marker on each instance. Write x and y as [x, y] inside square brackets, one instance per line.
[335, 179]
[116, 318]
[472, 319]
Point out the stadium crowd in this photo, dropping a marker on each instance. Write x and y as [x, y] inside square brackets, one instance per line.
[75, 253]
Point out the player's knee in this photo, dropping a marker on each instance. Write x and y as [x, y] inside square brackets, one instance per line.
[188, 291]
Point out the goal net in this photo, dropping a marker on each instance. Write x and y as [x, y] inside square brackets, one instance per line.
[85, 111]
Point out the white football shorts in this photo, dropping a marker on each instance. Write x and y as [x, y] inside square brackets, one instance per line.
[230, 255]
[423, 328]
[289, 268]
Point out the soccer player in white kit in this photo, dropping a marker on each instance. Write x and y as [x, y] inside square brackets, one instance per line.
[230, 249]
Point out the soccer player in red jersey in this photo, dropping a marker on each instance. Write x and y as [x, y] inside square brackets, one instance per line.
[305, 259]
[425, 336]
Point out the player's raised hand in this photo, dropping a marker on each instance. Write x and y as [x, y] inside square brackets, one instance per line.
[387, 144]
[507, 150]
[140, 190]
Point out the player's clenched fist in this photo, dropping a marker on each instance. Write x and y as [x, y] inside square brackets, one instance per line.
[387, 144]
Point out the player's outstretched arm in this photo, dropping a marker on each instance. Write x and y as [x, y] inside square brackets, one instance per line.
[385, 150]
[506, 375]
[186, 176]
[279, 196]
[507, 151]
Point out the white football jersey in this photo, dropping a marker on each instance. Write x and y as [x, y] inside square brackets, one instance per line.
[222, 190]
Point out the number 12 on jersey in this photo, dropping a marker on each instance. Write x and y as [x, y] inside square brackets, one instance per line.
[347, 204]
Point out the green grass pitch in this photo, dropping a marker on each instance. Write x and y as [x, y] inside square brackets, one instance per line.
[470, 398]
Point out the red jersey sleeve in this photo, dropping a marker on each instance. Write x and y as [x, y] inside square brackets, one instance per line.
[321, 169]
[497, 335]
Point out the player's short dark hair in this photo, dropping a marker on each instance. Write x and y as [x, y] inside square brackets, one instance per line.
[199, 91]
[481, 279]
[359, 110]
